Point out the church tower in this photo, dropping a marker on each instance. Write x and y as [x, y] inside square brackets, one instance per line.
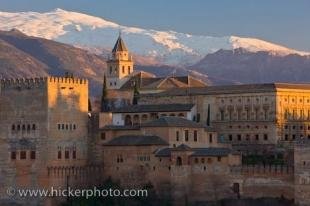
[120, 65]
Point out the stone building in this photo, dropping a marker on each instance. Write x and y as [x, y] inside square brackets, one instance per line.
[258, 116]
[43, 132]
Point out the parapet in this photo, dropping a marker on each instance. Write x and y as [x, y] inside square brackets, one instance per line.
[23, 83]
[28, 83]
[69, 80]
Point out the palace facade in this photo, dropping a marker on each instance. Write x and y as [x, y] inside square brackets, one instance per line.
[191, 141]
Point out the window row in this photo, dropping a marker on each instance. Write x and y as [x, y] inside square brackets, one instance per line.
[243, 115]
[295, 114]
[294, 136]
[23, 127]
[247, 137]
[66, 126]
[209, 160]
[66, 154]
[143, 158]
[123, 70]
[23, 155]
[248, 127]
[297, 127]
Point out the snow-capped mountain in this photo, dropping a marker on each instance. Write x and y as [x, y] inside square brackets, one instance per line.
[94, 33]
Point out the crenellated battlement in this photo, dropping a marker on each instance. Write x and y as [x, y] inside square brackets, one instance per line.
[38, 82]
[20, 83]
[69, 80]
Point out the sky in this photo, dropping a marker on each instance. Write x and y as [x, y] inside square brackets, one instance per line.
[286, 22]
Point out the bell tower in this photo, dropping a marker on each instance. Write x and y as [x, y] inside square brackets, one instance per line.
[120, 65]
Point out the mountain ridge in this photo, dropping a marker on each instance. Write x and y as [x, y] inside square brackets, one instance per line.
[95, 33]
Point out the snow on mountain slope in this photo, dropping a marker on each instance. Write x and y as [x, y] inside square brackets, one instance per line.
[168, 47]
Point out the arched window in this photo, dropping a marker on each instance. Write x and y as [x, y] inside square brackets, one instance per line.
[33, 127]
[128, 69]
[13, 126]
[128, 120]
[24, 127]
[28, 127]
[144, 118]
[136, 119]
[179, 161]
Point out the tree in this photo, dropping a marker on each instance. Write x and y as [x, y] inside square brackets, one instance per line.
[136, 94]
[104, 103]
[89, 105]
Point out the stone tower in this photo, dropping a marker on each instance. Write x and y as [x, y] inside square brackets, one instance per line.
[120, 65]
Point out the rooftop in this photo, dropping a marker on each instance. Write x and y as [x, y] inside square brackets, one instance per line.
[119, 45]
[136, 140]
[198, 152]
[231, 89]
[154, 108]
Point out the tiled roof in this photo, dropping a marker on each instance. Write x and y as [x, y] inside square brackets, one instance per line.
[149, 81]
[154, 108]
[230, 89]
[211, 151]
[172, 122]
[164, 152]
[136, 140]
[119, 45]
[120, 127]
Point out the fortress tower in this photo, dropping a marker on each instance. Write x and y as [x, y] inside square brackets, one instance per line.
[120, 65]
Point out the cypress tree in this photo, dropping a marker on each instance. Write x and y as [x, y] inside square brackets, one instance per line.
[104, 94]
[136, 94]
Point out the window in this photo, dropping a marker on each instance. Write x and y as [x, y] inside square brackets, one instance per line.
[13, 155]
[219, 159]
[256, 137]
[67, 126]
[59, 126]
[196, 160]
[177, 135]
[111, 69]
[210, 138]
[293, 136]
[32, 155]
[222, 115]
[74, 154]
[209, 160]
[239, 137]
[186, 135]
[23, 155]
[103, 135]
[66, 154]
[203, 160]
[198, 117]
[18, 127]
[74, 126]
[265, 137]
[62, 126]
[123, 69]
[13, 127]
[59, 154]
[28, 127]
[33, 127]
[195, 135]
[128, 69]
[23, 127]
[230, 137]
